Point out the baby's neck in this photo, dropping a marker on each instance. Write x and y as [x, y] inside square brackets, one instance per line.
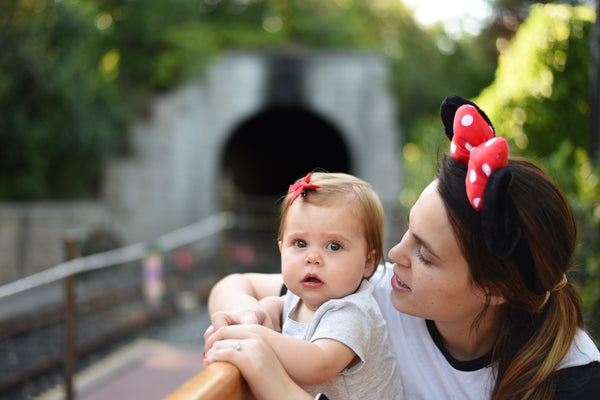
[303, 313]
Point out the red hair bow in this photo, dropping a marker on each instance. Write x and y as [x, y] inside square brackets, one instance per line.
[475, 145]
[299, 187]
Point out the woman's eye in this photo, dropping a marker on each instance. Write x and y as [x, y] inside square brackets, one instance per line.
[300, 243]
[421, 258]
[334, 246]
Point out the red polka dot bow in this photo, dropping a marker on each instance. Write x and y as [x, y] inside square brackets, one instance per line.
[299, 187]
[475, 145]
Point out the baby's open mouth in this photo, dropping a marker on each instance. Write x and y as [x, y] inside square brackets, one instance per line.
[312, 279]
[312, 282]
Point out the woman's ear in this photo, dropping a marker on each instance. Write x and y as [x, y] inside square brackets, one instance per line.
[370, 264]
[495, 296]
[279, 245]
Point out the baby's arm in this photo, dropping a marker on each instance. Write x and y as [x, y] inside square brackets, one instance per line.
[273, 305]
[307, 363]
[235, 300]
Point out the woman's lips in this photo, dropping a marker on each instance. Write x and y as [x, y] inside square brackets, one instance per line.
[398, 285]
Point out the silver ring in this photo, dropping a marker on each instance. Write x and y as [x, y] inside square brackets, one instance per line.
[237, 346]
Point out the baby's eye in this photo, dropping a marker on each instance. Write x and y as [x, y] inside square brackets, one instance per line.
[334, 246]
[300, 243]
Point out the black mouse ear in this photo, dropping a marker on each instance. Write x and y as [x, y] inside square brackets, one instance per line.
[448, 109]
[499, 219]
[502, 227]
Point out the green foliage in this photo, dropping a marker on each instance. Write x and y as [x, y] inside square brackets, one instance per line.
[581, 180]
[425, 74]
[541, 93]
[58, 114]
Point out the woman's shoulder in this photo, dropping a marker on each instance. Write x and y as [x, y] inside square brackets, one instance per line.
[583, 351]
[581, 382]
[578, 376]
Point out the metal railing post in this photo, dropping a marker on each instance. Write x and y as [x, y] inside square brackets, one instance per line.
[71, 251]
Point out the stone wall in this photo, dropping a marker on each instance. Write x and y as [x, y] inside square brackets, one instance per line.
[32, 234]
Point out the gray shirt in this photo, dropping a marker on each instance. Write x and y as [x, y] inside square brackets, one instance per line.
[355, 321]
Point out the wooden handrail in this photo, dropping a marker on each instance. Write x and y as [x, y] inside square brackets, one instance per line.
[217, 381]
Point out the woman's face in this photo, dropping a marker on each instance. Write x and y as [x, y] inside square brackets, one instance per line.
[431, 276]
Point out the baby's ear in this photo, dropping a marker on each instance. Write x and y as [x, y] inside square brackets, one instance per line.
[371, 264]
[279, 245]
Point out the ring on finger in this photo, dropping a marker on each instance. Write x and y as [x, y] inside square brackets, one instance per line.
[237, 346]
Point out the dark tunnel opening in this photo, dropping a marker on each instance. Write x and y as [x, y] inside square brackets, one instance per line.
[271, 150]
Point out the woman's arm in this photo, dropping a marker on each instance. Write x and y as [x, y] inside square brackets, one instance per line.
[234, 299]
[307, 363]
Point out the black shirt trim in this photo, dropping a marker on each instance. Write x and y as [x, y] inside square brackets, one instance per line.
[471, 365]
[581, 382]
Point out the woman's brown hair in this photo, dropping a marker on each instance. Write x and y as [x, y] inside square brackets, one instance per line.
[537, 323]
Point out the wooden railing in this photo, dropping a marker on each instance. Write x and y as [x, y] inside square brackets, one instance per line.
[218, 381]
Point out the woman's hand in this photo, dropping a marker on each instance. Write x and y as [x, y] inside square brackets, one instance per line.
[234, 332]
[258, 364]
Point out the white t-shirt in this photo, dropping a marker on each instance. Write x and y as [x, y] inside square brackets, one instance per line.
[427, 373]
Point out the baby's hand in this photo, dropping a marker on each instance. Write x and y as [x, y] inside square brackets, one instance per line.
[256, 315]
[273, 305]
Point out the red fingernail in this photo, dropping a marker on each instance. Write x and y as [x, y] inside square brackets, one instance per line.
[204, 354]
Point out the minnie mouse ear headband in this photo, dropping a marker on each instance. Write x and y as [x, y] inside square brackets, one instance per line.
[299, 188]
[488, 181]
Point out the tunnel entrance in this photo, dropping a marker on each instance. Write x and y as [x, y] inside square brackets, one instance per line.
[269, 151]
[264, 155]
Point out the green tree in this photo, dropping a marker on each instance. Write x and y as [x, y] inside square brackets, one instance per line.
[540, 96]
[59, 114]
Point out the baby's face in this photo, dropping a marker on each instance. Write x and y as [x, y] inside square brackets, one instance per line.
[324, 252]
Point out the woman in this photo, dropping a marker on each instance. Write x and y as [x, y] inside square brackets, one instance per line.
[480, 305]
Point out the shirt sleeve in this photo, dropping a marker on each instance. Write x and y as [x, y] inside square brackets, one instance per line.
[349, 322]
[581, 382]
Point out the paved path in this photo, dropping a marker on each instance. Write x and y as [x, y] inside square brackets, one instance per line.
[150, 367]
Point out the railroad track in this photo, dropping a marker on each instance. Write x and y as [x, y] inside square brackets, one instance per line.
[32, 346]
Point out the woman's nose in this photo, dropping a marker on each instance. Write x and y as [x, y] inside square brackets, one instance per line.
[399, 254]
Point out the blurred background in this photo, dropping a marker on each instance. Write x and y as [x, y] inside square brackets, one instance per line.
[150, 141]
